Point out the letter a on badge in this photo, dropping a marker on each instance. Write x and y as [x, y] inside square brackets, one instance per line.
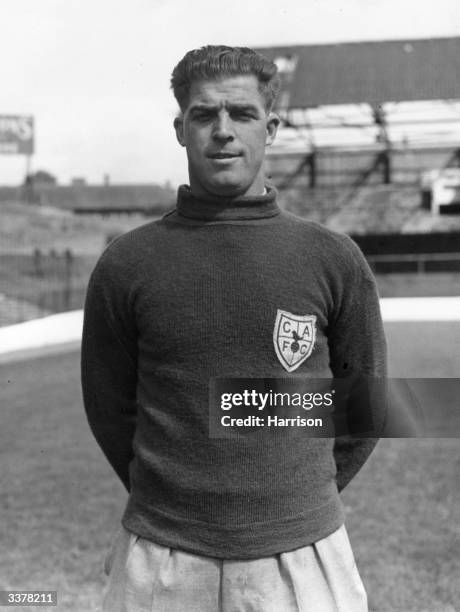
[294, 338]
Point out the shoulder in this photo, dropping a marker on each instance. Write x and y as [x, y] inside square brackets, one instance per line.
[121, 259]
[129, 247]
[133, 240]
[335, 250]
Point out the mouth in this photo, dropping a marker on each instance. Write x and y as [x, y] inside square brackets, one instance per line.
[224, 156]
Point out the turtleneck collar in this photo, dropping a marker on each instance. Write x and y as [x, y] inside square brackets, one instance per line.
[214, 208]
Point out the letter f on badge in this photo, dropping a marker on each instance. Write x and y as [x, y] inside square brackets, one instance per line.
[294, 338]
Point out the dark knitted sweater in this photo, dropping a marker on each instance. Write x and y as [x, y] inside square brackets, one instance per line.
[195, 295]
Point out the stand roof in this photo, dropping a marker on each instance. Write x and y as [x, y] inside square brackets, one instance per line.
[367, 72]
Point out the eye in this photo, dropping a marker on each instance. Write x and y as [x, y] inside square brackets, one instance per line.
[202, 116]
[242, 115]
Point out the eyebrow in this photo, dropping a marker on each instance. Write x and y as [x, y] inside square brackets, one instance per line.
[232, 107]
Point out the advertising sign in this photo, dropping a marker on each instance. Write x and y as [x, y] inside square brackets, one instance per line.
[17, 134]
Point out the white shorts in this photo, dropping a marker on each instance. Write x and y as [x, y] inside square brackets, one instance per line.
[147, 577]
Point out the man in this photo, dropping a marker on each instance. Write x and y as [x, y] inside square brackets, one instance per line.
[226, 286]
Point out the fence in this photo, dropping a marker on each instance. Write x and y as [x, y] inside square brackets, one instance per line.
[35, 282]
[46, 257]
[407, 253]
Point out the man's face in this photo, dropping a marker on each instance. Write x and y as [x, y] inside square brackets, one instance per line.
[225, 129]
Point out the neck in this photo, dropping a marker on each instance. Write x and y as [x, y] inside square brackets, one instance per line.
[217, 208]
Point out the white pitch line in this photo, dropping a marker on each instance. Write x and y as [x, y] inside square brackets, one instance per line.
[420, 309]
[39, 333]
[67, 327]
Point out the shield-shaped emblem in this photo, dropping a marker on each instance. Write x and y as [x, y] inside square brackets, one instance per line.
[294, 338]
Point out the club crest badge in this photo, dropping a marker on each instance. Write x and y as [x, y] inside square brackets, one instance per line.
[294, 338]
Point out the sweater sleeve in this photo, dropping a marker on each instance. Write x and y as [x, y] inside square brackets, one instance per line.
[357, 349]
[109, 365]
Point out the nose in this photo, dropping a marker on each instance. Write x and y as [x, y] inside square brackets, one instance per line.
[223, 130]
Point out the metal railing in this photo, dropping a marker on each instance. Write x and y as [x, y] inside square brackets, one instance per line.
[35, 283]
[414, 262]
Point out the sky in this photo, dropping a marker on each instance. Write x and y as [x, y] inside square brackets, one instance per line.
[95, 73]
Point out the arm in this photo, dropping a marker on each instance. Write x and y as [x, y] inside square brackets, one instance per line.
[358, 349]
[109, 366]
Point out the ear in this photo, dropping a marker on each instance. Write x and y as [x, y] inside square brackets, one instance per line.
[179, 127]
[273, 122]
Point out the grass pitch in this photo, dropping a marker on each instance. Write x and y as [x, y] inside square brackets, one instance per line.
[61, 503]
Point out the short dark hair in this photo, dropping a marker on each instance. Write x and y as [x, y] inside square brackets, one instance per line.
[216, 61]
